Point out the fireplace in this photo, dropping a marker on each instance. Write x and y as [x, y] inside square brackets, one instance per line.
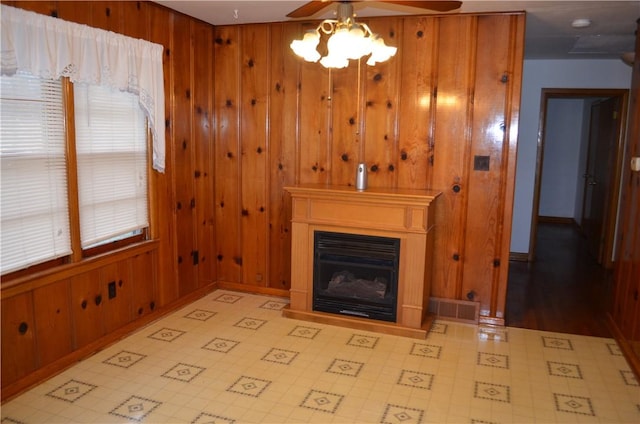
[384, 288]
[356, 275]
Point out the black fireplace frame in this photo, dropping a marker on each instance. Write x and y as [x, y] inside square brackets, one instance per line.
[364, 255]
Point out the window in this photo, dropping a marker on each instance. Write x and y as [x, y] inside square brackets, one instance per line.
[98, 191]
[33, 188]
[112, 163]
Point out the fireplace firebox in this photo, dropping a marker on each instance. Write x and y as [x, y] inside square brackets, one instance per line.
[356, 275]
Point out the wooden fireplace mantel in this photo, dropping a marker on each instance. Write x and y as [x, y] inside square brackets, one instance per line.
[406, 214]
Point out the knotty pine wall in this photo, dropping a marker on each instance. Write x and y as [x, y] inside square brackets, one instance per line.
[245, 118]
[447, 100]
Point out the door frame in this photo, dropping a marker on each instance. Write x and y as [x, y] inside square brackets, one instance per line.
[573, 93]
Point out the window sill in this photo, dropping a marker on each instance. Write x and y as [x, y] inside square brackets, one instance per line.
[42, 278]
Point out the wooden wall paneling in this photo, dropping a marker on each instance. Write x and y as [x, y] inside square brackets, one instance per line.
[184, 148]
[45, 7]
[624, 316]
[512, 116]
[485, 162]
[73, 12]
[52, 310]
[347, 149]
[314, 112]
[415, 109]
[143, 279]
[227, 153]
[135, 21]
[18, 338]
[87, 302]
[283, 148]
[453, 107]
[117, 292]
[381, 110]
[254, 145]
[203, 172]
[106, 15]
[164, 227]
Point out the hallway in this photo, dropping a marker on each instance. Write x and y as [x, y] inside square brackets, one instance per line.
[564, 290]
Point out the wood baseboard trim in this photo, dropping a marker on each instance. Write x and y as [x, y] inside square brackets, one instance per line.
[557, 220]
[497, 322]
[631, 357]
[269, 291]
[519, 257]
[36, 377]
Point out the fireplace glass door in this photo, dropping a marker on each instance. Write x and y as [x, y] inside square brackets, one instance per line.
[356, 275]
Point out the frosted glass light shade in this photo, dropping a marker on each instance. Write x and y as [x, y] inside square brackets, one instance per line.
[380, 52]
[306, 48]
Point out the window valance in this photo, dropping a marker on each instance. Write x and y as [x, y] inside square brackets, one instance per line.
[50, 48]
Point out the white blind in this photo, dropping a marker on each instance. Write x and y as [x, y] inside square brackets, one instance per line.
[34, 214]
[111, 147]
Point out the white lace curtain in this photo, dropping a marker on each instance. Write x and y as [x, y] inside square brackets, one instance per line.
[50, 48]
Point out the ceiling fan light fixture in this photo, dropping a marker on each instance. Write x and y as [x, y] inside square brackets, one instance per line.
[306, 48]
[347, 40]
[380, 52]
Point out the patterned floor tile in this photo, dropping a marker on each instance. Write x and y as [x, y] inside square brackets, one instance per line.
[71, 391]
[420, 380]
[228, 298]
[557, 343]
[200, 314]
[493, 360]
[497, 392]
[573, 404]
[9, 420]
[166, 334]
[212, 419]
[183, 372]
[560, 369]
[429, 351]
[629, 378]
[221, 345]
[614, 349]
[250, 323]
[322, 401]
[124, 359]
[249, 386]
[396, 414]
[304, 332]
[344, 367]
[274, 305]
[438, 328]
[135, 408]
[359, 340]
[280, 356]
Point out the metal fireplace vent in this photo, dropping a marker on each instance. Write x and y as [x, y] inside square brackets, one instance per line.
[455, 310]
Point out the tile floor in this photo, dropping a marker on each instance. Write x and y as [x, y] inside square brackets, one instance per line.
[232, 358]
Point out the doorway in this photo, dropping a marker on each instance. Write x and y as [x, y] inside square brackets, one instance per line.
[563, 287]
[583, 165]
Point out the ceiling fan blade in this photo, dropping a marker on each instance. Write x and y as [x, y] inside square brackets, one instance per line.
[438, 6]
[308, 9]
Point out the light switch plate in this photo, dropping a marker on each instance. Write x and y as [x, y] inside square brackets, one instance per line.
[635, 163]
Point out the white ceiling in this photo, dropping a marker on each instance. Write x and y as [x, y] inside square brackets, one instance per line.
[549, 34]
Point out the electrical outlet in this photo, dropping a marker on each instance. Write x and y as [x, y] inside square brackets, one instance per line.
[112, 290]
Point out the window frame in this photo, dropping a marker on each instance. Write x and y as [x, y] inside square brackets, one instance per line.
[78, 254]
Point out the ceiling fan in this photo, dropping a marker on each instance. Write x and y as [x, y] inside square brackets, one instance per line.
[313, 7]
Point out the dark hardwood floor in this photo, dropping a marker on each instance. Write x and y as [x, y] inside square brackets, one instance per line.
[564, 290]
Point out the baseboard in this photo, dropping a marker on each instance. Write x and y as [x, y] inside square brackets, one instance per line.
[519, 257]
[269, 291]
[557, 220]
